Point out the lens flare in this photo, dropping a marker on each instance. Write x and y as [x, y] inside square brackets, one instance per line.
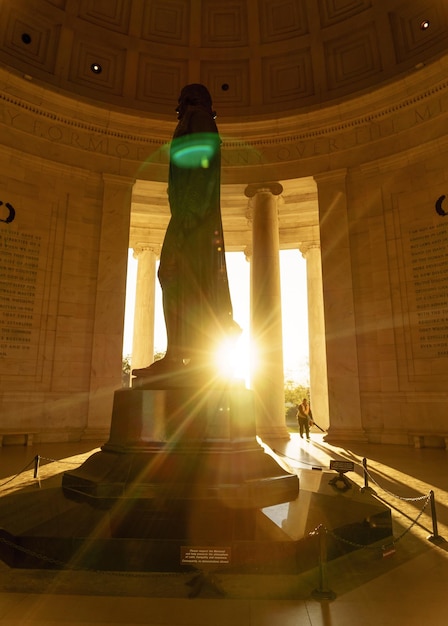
[225, 358]
[195, 150]
[232, 359]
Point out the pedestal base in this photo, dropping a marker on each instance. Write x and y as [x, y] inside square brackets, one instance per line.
[180, 463]
[60, 533]
[182, 485]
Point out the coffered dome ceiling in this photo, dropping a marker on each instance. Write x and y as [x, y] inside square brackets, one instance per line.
[260, 58]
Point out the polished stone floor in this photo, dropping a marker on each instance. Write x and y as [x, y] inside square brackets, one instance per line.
[405, 584]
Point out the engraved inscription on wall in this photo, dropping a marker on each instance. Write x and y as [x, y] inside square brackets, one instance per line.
[109, 142]
[20, 300]
[429, 300]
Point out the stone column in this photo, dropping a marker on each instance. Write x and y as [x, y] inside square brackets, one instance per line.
[316, 333]
[248, 254]
[143, 336]
[107, 342]
[266, 313]
[344, 401]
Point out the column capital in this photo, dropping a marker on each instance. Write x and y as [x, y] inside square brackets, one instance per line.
[272, 187]
[139, 249]
[306, 246]
[248, 251]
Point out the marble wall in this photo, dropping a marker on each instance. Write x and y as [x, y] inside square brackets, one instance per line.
[399, 248]
[49, 258]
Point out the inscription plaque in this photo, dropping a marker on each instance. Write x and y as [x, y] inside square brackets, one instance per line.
[199, 554]
[428, 299]
[19, 296]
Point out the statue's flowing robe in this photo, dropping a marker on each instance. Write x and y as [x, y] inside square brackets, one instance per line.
[192, 272]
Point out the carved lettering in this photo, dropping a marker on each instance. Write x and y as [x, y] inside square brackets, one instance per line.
[75, 141]
[122, 150]
[97, 144]
[428, 248]
[12, 117]
[333, 145]
[55, 133]
[313, 144]
[19, 317]
[240, 157]
[422, 114]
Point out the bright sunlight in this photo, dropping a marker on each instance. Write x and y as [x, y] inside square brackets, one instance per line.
[235, 357]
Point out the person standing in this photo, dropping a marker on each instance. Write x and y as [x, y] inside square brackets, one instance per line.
[304, 417]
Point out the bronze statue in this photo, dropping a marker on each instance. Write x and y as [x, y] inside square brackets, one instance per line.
[192, 273]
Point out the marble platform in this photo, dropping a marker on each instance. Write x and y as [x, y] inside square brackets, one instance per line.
[59, 533]
[183, 484]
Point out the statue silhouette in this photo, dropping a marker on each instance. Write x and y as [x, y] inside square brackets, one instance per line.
[192, 272]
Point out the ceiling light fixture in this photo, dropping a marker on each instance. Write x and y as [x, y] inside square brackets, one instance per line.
[96, 68]
[424, 25]
[26, 38]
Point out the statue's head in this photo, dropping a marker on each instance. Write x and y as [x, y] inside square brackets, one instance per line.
[194, 95]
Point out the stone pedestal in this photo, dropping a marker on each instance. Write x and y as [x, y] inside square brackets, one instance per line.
[183, 485]
[182, 463]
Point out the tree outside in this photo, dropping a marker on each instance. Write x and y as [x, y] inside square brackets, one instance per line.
[126, 371]
[294, 394]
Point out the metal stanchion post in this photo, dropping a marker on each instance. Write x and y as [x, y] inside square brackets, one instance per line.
[36, 469]
[366, 478]
[435, 537]
[323, 592]
[36, 466]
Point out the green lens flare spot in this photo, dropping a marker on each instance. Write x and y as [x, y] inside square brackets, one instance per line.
[195, 150]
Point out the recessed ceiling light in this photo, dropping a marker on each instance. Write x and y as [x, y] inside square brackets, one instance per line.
[26, 38]
[225, 87]
[96, 68]
[424, 25]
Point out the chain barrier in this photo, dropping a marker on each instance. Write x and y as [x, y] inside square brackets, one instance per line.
[36, 555]
[72, 568]
[44, 458]
[394, 541]
[55, 562]
[41, 557]
[394, 495]
[323, 592]
[35, 462]
[367, 475]
[435, 537]
[18, 474]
